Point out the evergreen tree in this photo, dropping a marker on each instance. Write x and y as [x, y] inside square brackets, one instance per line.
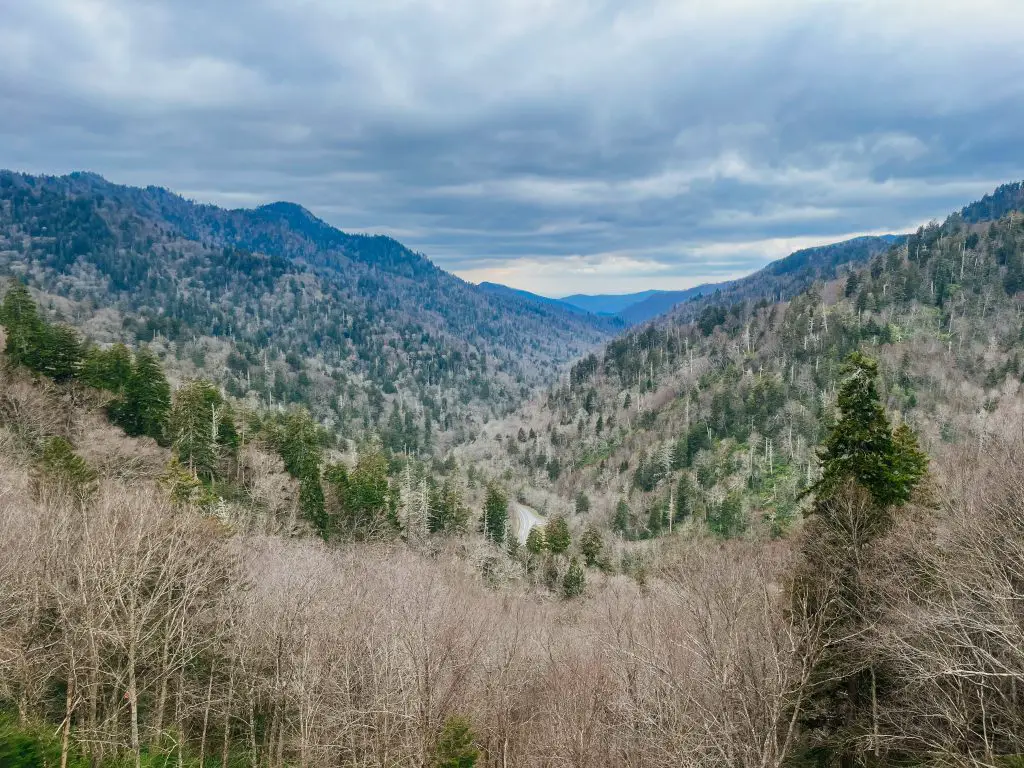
[582, 503]
[298, 442]
[727, 519]
[455, 748]
[861, 446]
[575, 580]
[909, 463]
[448, 510]
[147, 398]
[868, 472]
[60, 467]
[656, 517]
[53, 350]
[58, 352]
[495, 514]
[183, 487]
[362, 495]
[620, 522]
[312, 505]
[535, 543]
[684, 498]
[20, 318]
[591, 545]
[194, 427]
[107, 369]
[557, 535]
[228, 438]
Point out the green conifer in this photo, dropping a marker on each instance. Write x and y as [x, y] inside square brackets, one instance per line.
[19, 316]
[193, 426]
[861, 447]
[60, 467]
[591, 545]
[495, 514]
[575, 580]
[557, 535]
[535, 543]
[455, 748]
[107, 369]
[147, 398]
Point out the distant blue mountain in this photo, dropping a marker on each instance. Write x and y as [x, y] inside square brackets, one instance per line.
[635, 308]
[497, 289]
[660, 302]
[779, 278]
[606, 304]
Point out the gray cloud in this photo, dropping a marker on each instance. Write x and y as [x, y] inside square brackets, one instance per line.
[559, 146]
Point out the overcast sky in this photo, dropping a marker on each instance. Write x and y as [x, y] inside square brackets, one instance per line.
[553, 145]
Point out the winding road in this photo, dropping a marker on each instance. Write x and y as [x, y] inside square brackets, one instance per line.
[525, 519]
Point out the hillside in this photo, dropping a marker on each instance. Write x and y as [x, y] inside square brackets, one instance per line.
[601, 320]
[173, 560]
[715, 411]
[661, 302]
[606, 304]
[778, 280]
[279, 307]
[167, 602]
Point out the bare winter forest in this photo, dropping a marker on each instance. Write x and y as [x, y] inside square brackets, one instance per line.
[769, 533]
[133, 628]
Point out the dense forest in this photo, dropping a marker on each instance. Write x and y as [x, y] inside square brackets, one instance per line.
[754, 532]
[718, 418]
[279, 308]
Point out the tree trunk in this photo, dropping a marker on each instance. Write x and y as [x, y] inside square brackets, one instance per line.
[161, 706]
[253, 754]
[133, 704]
[179, 713]
[225, 747]
[206, 719]
[69, 709]
[96, 754]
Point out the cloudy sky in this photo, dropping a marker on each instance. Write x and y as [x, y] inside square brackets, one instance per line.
[553, 145]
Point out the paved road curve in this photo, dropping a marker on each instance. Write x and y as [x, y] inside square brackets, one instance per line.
[525, 518]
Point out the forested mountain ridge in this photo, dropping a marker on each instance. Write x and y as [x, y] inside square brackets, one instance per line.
[664, 301]
[601, 319]
[785, 278]
[778, 280]
[280, 307]
[714, 413]
[185, 580]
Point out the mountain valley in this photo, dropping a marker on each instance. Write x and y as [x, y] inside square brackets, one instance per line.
[227, 424]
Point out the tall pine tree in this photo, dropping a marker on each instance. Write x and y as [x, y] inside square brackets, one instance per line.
[147, 399]
[194, 424]
[19, 316]
[495, 514]
[862, 448]
[868, 471]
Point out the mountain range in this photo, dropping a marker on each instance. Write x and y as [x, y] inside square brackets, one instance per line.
[367, 480]
[780, 278]
[281, 308]
[714, 410]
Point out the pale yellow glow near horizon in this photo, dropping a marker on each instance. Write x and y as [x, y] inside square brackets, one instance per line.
[621, 273]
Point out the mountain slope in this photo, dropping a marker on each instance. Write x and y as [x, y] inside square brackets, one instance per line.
[789, 276]
[606, 304]
[280, 307]
[779, 279]
[714, 412]
[661, 302]
[600, 321]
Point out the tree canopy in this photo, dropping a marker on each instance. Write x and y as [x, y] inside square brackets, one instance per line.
[862, 446]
